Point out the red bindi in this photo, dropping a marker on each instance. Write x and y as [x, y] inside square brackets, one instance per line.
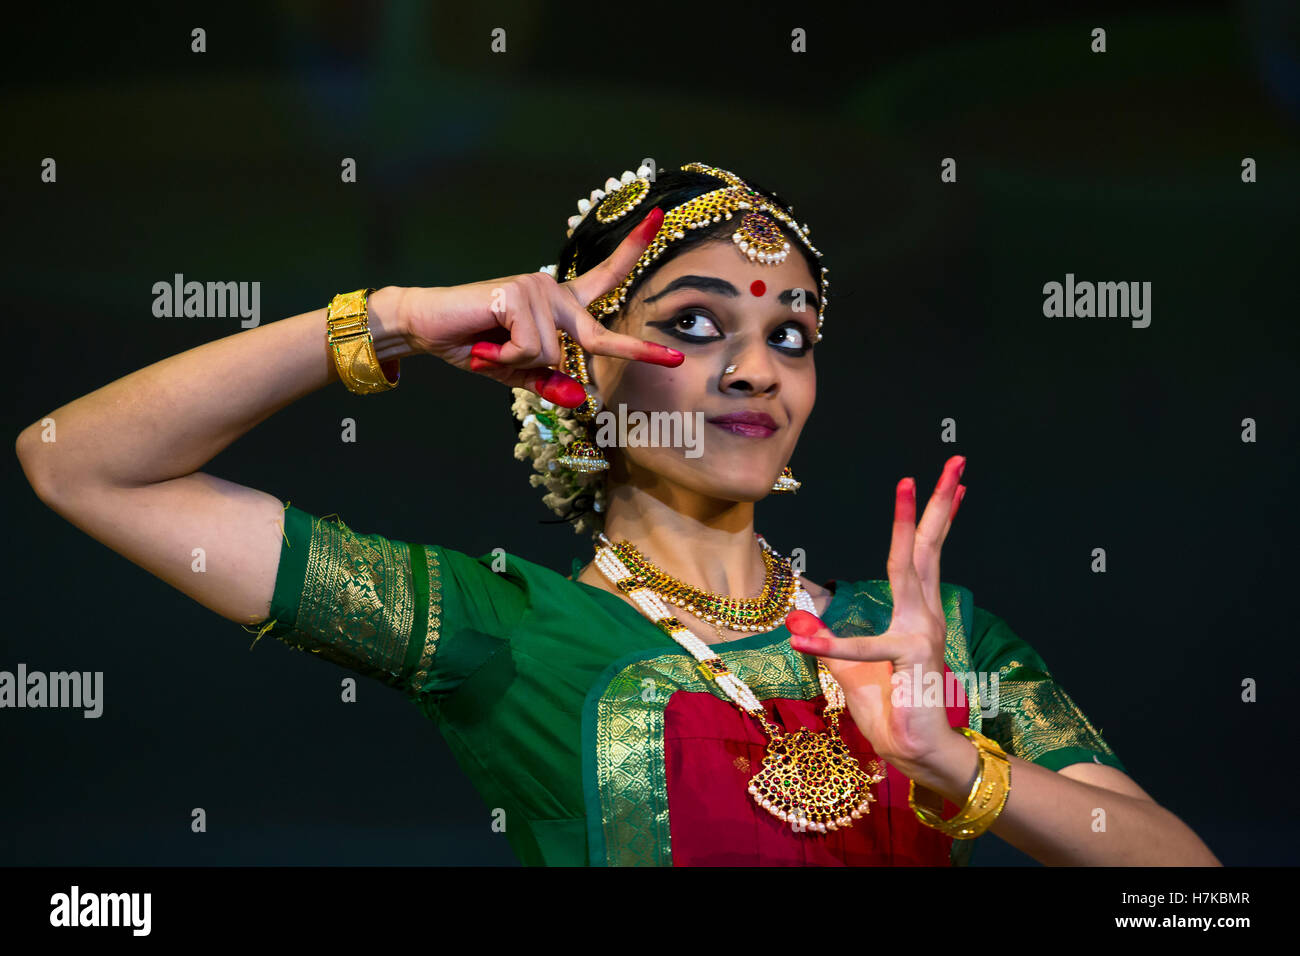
[757, 287]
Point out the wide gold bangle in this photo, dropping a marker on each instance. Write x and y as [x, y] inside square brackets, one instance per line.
[988, 794]
[347, 335]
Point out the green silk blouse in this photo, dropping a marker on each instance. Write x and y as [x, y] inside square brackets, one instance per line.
[537, 681]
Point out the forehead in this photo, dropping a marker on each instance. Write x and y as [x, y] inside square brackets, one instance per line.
[723, 259]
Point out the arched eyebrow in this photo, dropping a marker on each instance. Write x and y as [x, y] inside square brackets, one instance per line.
[723, 287]
[703, 283]
[810, 298]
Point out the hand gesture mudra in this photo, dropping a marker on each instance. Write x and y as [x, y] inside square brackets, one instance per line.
[905, 736]
[507, 328]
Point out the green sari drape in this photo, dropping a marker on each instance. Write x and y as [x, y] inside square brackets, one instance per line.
[536, 681]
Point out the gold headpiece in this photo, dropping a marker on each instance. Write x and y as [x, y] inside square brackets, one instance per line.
[621, 195]
[758, 235]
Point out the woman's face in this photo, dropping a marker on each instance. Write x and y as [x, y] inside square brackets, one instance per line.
[718, 308]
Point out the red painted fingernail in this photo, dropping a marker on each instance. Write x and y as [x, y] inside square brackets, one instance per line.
[650, 224]
[906, 493]
[803, 624]
[486, 350]
[477, 364]
[961, 467]
[663, 355]
[562, 390]
[957, 500]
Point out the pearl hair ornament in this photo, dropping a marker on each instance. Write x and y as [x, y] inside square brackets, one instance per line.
[621, 195]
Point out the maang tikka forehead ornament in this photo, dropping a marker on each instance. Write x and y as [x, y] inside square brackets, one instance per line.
[758, 235]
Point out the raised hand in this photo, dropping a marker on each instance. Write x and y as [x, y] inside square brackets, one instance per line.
[905, 736]
[507, 328]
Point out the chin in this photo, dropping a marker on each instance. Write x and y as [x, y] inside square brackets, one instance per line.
[736, 483]
[742, 490]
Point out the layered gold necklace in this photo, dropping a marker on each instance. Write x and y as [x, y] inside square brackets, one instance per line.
[808, 779]
[766, 612]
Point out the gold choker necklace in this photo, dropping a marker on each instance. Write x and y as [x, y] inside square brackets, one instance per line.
[766, 612]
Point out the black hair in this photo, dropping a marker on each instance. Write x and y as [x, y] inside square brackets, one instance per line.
[593, 241]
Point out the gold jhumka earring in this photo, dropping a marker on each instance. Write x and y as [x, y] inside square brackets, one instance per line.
[787, 481]
[580, 455]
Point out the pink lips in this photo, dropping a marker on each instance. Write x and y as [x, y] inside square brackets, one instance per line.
[753, 424]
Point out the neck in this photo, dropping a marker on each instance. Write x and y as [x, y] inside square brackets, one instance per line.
[706, 542]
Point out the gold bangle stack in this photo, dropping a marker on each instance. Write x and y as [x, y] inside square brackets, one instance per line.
[347, 335]
[988, 795]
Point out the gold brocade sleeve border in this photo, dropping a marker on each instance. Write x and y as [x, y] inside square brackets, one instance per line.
[433, 626]
[357, 606]
[1037, 717]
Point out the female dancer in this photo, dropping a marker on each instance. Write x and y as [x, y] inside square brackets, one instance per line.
[687, 697]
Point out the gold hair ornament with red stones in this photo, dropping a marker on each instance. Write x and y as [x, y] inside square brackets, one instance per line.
[758, 236]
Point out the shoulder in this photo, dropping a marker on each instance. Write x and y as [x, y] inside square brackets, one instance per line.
[497, 576]
[590, 575]
[815, 590]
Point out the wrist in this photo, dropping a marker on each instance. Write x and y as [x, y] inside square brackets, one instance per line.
[950, 768]
[387, 321]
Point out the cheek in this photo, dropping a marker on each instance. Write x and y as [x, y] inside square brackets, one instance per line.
[801, 386]
[810, 399]
[654, 387]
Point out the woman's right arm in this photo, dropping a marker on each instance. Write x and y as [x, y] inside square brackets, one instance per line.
[124, 463]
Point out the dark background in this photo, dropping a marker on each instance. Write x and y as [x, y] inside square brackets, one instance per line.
[1080, 433]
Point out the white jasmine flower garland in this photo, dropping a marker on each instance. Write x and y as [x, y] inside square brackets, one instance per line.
[545, 432]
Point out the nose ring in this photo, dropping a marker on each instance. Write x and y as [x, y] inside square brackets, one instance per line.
[729, 369]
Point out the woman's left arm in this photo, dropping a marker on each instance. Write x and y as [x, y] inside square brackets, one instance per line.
[1086, 814]
[1081, 815]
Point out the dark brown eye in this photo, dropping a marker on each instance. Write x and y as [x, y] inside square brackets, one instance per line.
[686, 322]
[794, 336]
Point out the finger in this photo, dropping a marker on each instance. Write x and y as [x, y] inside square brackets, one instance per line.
[553, 386]
[531, 329]
[530, 321]
[872, 686]
[525, 345]
[595, 282]
[903, 580]
[598, 340]
[811, 636]
[544, 316]
[939, 508]
[525, 348]
[930, 531]
[956, 503]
